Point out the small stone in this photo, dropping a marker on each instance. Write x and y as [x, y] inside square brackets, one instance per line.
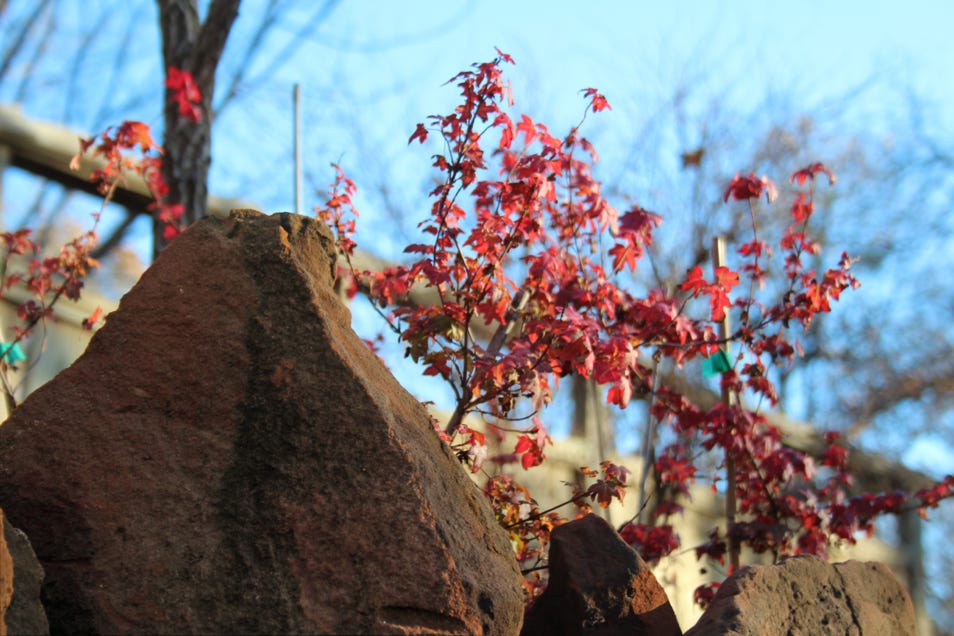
[598, 586]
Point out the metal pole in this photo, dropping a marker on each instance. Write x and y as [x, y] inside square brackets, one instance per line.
[649, 445]
[296, 98]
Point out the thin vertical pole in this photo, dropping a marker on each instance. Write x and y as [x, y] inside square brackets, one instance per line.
[649, 445]
[296, 98]
[718, 260]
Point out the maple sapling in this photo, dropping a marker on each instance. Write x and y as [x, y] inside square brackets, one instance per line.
[531, 268]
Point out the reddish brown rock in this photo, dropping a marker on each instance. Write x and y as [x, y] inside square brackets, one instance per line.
[6, 580]
[25, 614]
[229, 457]
[807, 596]
[598, 586]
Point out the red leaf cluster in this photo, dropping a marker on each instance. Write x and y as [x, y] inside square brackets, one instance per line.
[718, 290]
[339, 211]
[597, 101]
[931, 497]
[184, 91]
[744, 188]
[529, 528]
[652, 542]
[611, 485]
[114, 145]
[48, 278]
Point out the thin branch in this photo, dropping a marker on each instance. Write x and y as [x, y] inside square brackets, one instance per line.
[23, 32]
[105, 247]
[285, 53]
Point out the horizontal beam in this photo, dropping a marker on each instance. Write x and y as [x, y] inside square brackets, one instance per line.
[45, 149]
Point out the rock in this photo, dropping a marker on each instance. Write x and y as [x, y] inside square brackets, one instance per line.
[598, 586]
[807, 596]
[25, 614]
[227, 456]
[6, 580]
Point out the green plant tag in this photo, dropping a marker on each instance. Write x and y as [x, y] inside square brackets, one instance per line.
[11, 354]
[717, 363]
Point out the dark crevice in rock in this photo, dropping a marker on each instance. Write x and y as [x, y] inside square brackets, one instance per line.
[418, 620]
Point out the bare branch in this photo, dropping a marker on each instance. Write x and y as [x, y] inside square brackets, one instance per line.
[23, 32]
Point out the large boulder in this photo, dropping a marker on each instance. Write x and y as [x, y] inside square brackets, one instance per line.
[229, 457]
[805, 595]
[598, 586]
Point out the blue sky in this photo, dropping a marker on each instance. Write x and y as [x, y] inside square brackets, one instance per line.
[384, 63]
[575, 44]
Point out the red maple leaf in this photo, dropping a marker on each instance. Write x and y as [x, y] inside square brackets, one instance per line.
[88, 323]
[604, 491]
[719, 302]
[742, 188]
[530, 451]
[133, 133]
[625, 254]
[695, 282]
[802, 208]
[809, 172]
[503, 56]
[528, 128]
[420, 133]
[726, 278]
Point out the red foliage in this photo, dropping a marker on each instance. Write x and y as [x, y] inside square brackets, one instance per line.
[48, 278]
[612, 485]
[931, 497]
[126, 150]
[704, 594]
[115, 146]
[339, 208]
[90, 322]
[808, 174]
[597, 101]
[743, 188]
[185, 92]
[652, 542]
[520, 238]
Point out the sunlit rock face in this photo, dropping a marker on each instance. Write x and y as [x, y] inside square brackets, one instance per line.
[229, 457]
[805, 595]
[600, 586]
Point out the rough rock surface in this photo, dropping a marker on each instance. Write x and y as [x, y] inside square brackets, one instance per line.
[25, 614]
[805, 596]
[598, 586]
[227, 456]
[6, 580]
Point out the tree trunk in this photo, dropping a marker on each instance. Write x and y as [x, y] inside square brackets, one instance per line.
[194, 46]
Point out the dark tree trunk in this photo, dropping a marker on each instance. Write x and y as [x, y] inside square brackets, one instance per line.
[193, 46]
